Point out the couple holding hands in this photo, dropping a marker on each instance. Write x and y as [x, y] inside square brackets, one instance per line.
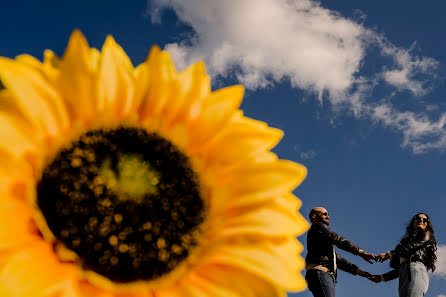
[410, 260]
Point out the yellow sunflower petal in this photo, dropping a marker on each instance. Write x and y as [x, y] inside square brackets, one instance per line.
[93, 59]
[263, 221]
[47, 72]
[50, 58]
[85, 289]
[14, 141]
[262, 181]
[209, 115]
[28, 60]
[16, 178]
[259, 158]
[141, 74]
[162, 75]
[35, 98]
[194, 85]
[31, 61]
[20, 233]
[10, 108]
[289, 205]
[279, 264]
[177, 135]
[76, 77]
[47, 67]
[65, 289]
[34, 271]
[239, 140]
[181, 289]
[230, 281]
[275, 217]
[199, 287]
[116, 83]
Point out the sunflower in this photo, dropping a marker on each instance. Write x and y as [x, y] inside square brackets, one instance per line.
[124, 181]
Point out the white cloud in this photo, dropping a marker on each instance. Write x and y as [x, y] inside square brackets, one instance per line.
[262, 42]
[269, 40]
[308, 155]
[408, 67]
[441, 295]
[440, 270]
[431, 107]
[419, 132]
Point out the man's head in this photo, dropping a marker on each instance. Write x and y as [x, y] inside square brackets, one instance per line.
[319, 214]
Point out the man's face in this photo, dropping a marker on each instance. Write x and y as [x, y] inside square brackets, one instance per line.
[322, 216]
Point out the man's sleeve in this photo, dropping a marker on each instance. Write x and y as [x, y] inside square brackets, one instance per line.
[393, 274]
[336, 239]
[407, 249]
[346, 265]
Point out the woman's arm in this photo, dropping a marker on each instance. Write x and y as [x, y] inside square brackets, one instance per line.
[393, 274]
[384, 277]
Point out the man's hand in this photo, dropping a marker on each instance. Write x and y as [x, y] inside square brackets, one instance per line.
[376, 278]
[383, 257]
[364, 273]
[367, 256]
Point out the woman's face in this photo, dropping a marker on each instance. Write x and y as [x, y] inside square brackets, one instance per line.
[420, 222]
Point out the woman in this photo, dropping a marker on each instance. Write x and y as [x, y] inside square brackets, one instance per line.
[412, 258]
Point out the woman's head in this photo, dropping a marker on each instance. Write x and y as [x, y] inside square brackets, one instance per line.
[420, 221]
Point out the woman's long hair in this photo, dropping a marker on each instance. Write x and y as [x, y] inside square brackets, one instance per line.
[430, 248]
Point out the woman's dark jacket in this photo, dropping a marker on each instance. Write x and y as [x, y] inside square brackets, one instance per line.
[413, 248]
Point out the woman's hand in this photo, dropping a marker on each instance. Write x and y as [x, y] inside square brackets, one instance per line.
[376, 278]
[383, 257]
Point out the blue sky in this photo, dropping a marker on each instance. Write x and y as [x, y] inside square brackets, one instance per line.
[357, 86]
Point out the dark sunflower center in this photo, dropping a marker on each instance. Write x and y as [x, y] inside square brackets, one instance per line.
[125, 201]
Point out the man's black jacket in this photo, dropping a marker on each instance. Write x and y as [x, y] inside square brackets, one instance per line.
[320, 241]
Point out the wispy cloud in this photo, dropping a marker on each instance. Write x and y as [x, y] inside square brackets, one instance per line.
[407, 67]
[263, 42]
[440, 270]
[308, 155]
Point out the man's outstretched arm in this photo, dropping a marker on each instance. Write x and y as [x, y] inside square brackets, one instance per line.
[342, 243]
[349, 267]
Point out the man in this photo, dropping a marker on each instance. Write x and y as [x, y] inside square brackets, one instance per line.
[322, 260]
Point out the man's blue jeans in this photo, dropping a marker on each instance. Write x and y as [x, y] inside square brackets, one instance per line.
[321, 284]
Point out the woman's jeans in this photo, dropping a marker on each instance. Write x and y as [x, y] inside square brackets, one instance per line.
[321, 284]
[414, 279]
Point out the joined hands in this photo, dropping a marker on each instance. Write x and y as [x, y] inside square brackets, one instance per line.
[377, 258]
[376, 278]
[382, 257]
[367, 257]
